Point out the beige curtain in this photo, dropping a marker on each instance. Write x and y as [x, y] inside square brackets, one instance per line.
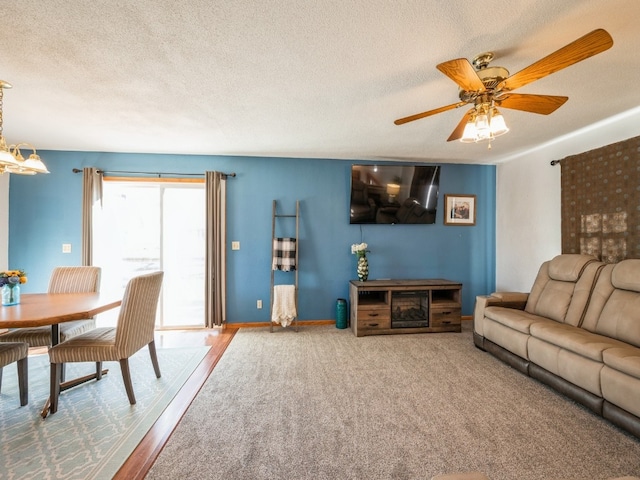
[91, 198]
[215, 257]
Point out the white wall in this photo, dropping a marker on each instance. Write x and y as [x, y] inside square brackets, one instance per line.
[4, 221]
[528, 200]
[527, 219]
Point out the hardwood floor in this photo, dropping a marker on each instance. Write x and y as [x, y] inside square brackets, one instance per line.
[140, 461]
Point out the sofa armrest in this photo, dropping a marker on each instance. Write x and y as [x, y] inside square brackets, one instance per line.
[516, 300]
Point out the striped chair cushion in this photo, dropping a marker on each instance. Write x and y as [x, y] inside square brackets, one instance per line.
[96, 345]
[12, 352]
[137, 319]
[75, 280]
[41, 336]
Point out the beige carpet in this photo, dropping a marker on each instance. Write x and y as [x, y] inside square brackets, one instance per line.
[322, 404]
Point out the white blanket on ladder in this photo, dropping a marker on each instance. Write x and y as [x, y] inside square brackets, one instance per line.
[284, 304]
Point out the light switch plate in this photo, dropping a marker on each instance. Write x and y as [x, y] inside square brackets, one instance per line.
[66, 248]
[235, 245]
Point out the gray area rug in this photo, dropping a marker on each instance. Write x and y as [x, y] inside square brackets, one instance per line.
[95, 429]
[323, 404]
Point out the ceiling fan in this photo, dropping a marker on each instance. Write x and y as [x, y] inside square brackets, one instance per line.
[486, 88]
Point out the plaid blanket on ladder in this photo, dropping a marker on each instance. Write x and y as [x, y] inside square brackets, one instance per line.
[284, 254]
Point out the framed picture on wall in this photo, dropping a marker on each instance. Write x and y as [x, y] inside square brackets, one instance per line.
[459, 209]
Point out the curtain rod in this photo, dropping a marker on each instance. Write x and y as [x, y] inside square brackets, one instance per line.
[159, 174]
[555, 162]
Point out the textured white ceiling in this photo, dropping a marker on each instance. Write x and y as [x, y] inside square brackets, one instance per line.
[296, 78]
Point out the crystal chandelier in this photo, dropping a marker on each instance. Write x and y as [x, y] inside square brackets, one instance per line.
[11, 159]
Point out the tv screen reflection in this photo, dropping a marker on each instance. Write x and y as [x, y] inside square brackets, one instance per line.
[394, 194]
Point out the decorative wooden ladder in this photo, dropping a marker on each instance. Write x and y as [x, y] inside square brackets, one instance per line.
[274, 216]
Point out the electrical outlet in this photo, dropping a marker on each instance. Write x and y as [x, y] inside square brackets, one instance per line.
[259, 304]
[66, 248]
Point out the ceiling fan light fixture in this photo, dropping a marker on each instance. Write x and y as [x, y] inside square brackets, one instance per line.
[498, 125]
[487, 124]
[469, 133]
[483, 127]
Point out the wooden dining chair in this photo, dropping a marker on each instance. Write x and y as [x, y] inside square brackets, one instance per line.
[62, 280]
[134, 329]
[17, 352]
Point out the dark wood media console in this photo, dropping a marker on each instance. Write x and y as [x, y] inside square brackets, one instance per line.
[381, 307]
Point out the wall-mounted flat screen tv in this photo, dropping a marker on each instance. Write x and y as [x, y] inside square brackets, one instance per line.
[394, 194]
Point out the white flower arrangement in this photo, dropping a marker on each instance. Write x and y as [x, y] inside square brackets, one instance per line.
[359, 249]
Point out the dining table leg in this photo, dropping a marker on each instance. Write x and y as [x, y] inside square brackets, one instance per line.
[54, 377]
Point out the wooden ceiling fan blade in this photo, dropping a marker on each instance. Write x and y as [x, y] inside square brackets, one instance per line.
[428, 113]
[459, 130]
[542, 104]
[587, 46]
[463, 73]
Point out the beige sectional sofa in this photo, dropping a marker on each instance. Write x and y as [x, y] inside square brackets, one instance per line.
[578, 331]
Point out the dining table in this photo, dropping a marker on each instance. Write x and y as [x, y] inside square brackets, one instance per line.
[52, 309]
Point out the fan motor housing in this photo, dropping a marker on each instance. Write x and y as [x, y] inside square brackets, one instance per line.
[491, 78]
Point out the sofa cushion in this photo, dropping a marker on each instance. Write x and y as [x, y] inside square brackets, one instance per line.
[507, 338]
[562, 288]
[518, 320]
[620, 317]
[626, 275]
[509, 328]
[576, 340]
[549, 298]
[614, 308]
[554, 300]
[576, 369]
[623, 359]
[568, 267]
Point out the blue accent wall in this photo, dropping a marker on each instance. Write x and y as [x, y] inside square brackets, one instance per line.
[45, 212]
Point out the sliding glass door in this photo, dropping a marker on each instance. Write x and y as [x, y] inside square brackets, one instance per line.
[145, 226]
